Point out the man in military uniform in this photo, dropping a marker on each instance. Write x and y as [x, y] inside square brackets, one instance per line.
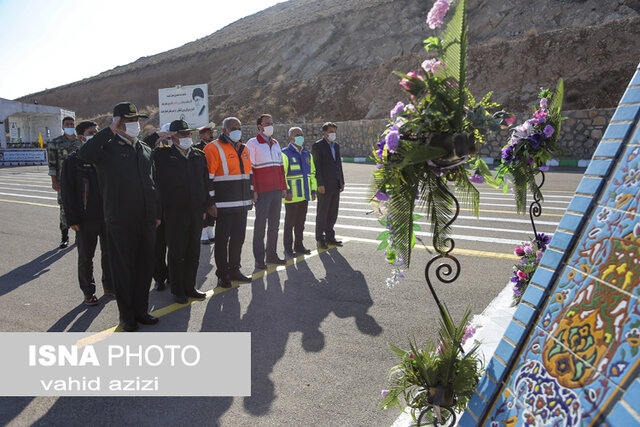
[82, 201]
[300, 174]
[182, 177]
[131, 210]
[57, 151]
[208, 235]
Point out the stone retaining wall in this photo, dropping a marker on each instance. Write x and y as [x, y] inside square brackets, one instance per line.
[580, 135]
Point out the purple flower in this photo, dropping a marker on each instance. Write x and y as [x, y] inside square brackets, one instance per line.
[544, 103]
[530, 161]
[437, 13]
[507, 154]
[535, 139]
[410, 107]
[527, 247]
[384, 393]
[383, 197]
[392, 140]
[542, 240]
[544, 168]
[397, 109]
[548, 131]
[478, 179]
[379, 165]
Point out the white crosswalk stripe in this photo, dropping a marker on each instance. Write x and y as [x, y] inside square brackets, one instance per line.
[356, 219]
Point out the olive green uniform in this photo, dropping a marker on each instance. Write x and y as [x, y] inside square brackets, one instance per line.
[58, 150]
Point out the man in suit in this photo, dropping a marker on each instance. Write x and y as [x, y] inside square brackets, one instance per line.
[330, 179]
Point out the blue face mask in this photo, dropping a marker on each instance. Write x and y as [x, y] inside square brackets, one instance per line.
[69, 131]
[299, 140]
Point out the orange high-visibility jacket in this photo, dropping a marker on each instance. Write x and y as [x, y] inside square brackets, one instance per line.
[230, 179]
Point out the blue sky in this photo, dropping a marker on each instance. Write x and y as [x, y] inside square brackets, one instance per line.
[48, 43]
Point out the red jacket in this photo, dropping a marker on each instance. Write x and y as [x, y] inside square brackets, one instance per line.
[266, 163]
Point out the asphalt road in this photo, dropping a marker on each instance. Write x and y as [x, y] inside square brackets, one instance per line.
[320, 326]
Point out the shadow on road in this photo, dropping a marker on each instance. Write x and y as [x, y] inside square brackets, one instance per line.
[30, 271]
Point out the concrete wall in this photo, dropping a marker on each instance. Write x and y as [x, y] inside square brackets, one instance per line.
[580, 135]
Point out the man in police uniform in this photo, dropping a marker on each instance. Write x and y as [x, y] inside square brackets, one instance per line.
[182, 177]
[300, 174]
[82, 202]
[208, 235]
[131, 210]
[57, 151]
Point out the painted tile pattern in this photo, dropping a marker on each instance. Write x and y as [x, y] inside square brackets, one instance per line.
[578, 362]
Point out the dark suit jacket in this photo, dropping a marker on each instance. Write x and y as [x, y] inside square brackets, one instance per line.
[328, 171]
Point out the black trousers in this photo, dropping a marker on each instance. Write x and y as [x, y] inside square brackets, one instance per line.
[130, 245]
[209, 221]
[160, 271]
[86, 241]
[294, 217]
[327, 215]
[182, 231]
[230, 232]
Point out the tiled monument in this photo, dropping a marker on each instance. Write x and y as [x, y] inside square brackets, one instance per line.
[570, 356]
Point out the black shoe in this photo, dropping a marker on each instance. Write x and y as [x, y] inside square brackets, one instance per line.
[261, 266]
[129, 326]
[205, 242]
[64, 244]
[276, 260]
[289, 253]
[196, 294]
[322, 244]
[160, 286]
[303, 250]
[236, 275]
[147, 319]
[180, 299]
[334, 242]
[224, 283]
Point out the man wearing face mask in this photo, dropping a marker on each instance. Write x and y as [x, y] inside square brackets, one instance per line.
[326, 155]
[160, 270]
[208, 236]
[131, 210]
[183, 179]
[57, 150]
[230, 186]
[300, 175]
[269, 190]
[82, 202]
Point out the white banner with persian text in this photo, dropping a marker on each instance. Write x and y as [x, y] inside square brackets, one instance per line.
[188, 103]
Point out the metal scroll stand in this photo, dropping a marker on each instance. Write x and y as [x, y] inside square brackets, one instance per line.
[535, 209]
[446, 272]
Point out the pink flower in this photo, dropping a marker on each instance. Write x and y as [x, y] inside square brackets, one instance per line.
[510, 120]
[432, 65]
[405, 82]
[528, 248]
[411, 356]
[435, 18]
[522, 275]
[468, 333]
[518, 251]
[544, 103]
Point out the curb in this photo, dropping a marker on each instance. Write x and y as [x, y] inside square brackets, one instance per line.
[23, 164]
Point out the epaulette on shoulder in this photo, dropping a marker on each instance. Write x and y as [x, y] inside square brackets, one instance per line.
[197, 149]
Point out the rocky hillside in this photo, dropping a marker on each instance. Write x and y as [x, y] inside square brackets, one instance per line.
[312, 60]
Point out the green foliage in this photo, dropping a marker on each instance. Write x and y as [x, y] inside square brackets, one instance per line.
[445, 364]
[438, 133]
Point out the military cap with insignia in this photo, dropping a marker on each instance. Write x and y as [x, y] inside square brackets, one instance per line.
[179, 126]
[127, 110]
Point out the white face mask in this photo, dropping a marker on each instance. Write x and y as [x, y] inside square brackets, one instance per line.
[268, 131]
[331, 136]
[235, 135]
[185, 143]
[69, 131]
[87, 138]
[132, 129]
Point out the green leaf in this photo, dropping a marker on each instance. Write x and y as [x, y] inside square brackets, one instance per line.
[383, 236]
[416, 227]
[383, 245]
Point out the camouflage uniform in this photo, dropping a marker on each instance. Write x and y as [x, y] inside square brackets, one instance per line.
[57, 151]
